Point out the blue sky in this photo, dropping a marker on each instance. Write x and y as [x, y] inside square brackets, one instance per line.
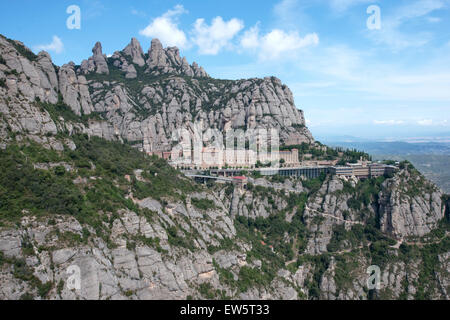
[389, 82]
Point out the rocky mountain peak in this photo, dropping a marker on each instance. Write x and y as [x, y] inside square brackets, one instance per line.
[97, 50]
[158, 61]
[96, 63]
[100, 59]
[145, 112]
[156, 55]
[134, 50]
[155, 46]
[135, 43]
[168, 60]
[44, 55]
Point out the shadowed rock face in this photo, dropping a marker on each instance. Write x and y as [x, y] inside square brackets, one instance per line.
[154, 95]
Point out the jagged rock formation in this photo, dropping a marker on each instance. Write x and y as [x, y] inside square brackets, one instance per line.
[23, 81]
[96, 63]
[326, 209]
[134, 50]
[399, 214]
[402, 208]
[163, 61]
[145, 98]
[74, 90]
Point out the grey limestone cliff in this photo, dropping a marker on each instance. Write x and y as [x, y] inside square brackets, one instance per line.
[143, 98]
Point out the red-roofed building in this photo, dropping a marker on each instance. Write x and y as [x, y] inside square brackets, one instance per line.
[240, 181]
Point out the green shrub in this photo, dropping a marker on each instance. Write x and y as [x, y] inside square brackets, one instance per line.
[21, 270]
[59, 170]
[27, 296]
[354, 204]
[340, 235]
[129, 293]
[44, 289]
[226, 276]
[60, 286]
[207, 291]
[321, 264]
[313, 185]
[22, 50]
[225, 244]
[250, 277]
[14, 73]
[179, 241]
[203, 204]
[229, 189]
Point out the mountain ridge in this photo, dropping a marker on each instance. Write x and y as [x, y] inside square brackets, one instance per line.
[148, 102]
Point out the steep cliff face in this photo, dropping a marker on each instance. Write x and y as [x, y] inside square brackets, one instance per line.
[404, 206]
[23, 79]
[403, 202]
[142, 98]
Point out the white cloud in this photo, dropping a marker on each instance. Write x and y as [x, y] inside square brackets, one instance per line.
[56, 46]
[212, 38]
[250, 40]
[431, 122]
[389, 122]
[165, 28]
[277, 42]
[425, 122]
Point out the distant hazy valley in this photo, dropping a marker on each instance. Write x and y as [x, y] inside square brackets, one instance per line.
[431, 158]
